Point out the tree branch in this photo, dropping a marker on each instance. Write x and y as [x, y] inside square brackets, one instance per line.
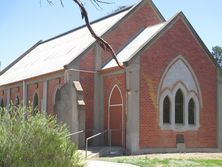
[103, 44]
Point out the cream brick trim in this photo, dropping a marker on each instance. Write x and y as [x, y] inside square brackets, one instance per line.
[189, 92]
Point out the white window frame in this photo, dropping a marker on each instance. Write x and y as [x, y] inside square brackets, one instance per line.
[187, 94]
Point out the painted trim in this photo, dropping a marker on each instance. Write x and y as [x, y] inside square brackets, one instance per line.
[40, 78]
[116, 105]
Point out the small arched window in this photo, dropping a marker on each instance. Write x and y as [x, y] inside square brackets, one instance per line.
[179, 103]
[2, 103]
[56, 100]
[191, 114]
[35, 104]
[17, 102]
[166, 110]
[57, 95]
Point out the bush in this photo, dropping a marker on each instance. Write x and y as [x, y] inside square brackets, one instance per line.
[34, 141]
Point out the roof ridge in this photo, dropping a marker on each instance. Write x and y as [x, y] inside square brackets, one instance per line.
[165, 25]
[130, 9]
[157, 11]
[84, 25]
[201, 42]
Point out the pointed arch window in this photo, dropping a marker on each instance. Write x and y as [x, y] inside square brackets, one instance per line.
[166, 110]
[17, 102]
[2, 103]
[57, 95]
[179, 103]
[35, 104]
[191, 113]
[179, 83]
[57, 98]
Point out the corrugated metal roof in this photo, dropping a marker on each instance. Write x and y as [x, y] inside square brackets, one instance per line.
[135, 45]
[52, 55]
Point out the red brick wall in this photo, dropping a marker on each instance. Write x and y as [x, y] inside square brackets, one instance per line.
[87, 82]
[142, 17]
[176, 41]
[14, 92]
[109, 82]
[117, 37]
[35, 87]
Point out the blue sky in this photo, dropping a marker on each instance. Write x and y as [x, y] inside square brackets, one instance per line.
[24, 22]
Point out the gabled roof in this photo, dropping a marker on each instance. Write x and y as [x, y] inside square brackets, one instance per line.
[133, 47]
[148, 36]
[54, 54]
[51, 55]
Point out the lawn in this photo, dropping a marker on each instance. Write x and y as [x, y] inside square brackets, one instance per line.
[144, 161]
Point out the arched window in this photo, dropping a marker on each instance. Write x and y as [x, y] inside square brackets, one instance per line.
[57, 95]
[17, 102]
[179, 83]
[191, 114]
[179, 103]
[2, 103]
[35, 104]
[166, 110]
[56, 100]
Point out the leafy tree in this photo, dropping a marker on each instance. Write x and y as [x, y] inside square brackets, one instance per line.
[217, 54]
[34, 141]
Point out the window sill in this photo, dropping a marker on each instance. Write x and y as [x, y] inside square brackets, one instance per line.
[179, 127]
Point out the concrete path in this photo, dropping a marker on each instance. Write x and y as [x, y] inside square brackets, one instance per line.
[94, 163]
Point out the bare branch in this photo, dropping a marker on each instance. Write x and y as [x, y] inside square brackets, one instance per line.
[61, 2]
[103, 2]
[103, 44]
[50, 2]
[96, 4]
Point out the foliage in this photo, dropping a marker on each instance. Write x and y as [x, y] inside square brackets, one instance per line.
[144, 161]
[217, 54]
[36, 141]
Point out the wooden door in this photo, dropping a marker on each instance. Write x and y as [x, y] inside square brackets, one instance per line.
[116, 116]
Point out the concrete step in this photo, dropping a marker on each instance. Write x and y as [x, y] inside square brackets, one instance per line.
[95, 152]
[114, 151]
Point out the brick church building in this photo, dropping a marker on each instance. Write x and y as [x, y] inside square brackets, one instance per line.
[167, 97]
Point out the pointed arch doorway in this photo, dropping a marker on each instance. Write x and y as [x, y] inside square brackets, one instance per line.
[115, 116]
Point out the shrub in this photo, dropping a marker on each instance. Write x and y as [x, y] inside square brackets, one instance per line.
[34, 141]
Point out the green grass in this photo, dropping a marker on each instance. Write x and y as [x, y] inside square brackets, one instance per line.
[150, 162]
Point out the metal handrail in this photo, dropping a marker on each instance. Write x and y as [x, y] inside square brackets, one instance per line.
[91, 137]
[75, 133]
